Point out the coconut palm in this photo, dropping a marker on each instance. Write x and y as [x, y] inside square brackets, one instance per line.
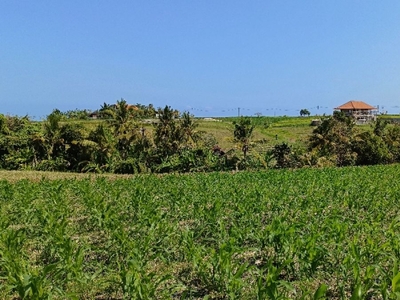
[188, 127]
[167, 136]
[242, 133]
[52, 135]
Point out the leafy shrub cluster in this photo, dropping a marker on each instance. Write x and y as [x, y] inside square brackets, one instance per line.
[338, 141]
[121, 145]
[118, 145]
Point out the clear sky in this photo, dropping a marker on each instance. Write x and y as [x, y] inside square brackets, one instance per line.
[208, 57]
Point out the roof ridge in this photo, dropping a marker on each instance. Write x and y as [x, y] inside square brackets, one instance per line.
[355, 104]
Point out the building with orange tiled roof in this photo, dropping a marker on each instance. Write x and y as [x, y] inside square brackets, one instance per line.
[134, 107]
[361, 111]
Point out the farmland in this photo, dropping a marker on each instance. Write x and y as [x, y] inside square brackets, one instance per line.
[277, 234]
[286, 129]
[126, 142]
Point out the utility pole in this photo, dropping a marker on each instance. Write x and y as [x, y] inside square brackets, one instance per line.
[238, 111]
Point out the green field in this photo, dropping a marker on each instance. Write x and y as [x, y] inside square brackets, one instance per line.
[273, 130]
[270, 130]
[288, 234]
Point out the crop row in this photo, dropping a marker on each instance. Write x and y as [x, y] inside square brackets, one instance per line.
[303, 234]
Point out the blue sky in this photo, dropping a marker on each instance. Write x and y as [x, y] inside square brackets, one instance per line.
[208, 57]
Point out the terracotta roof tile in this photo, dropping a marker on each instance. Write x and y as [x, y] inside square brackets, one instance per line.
[355, 105]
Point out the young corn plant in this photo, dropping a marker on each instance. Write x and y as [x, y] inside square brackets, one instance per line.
[270, 286]
[136, 281]
[21, 278]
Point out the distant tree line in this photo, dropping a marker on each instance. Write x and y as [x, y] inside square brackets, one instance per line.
[121, 144]
[304, 112]
[107, 111]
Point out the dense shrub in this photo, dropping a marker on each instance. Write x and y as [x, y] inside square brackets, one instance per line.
[120, 145]
[371, 149]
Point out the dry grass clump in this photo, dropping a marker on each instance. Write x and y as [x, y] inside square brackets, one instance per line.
[35, 176]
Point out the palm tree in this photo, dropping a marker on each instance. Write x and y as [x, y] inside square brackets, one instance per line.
[121, 118]
[103, 148]
[167, 135]
[242, 133]
[188, 127]
[52, 134]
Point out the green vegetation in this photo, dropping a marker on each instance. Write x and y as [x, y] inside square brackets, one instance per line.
[303, 234]
[278, 234]
[127, 139]
[304, 112]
